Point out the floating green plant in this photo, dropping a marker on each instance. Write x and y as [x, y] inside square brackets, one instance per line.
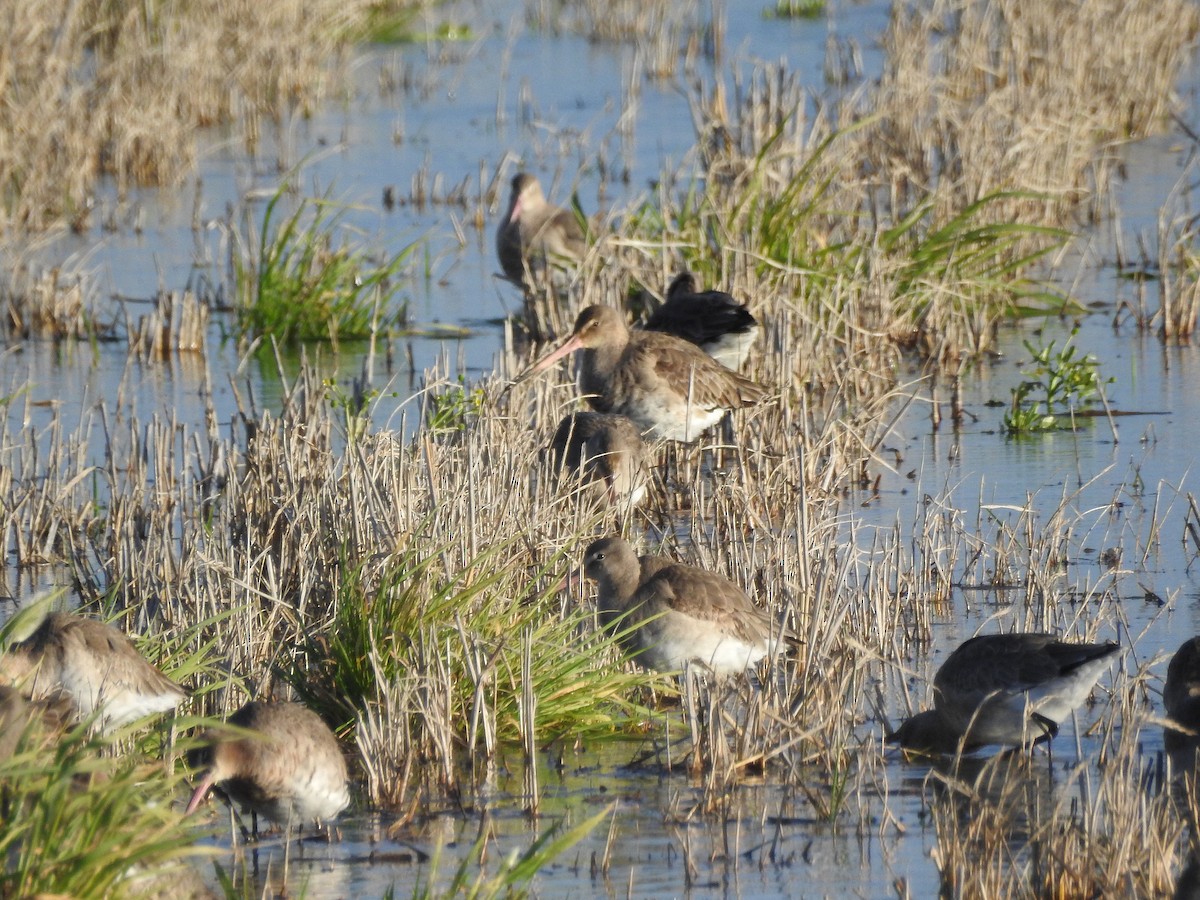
[1062, 384]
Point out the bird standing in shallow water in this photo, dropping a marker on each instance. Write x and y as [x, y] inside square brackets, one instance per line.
[1011, 689]
[712, 320]
[604, 449]
[534, 234]
[670, 614]
[666, 386]
[91, 665]
[286, 764]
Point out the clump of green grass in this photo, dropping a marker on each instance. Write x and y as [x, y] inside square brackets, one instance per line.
[796, 9]
[304, 283]
[452, 409]
[1061, 384]
[80, 821]
[471, 626]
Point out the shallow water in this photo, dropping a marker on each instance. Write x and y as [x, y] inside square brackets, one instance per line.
[771, 843]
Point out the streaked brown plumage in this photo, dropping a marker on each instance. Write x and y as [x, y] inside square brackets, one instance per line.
[93, 666]
[671, 613]
[1010, 689]
[712, 320]
[289, 768]
[534, 234]
[603, 449]
[668, 387]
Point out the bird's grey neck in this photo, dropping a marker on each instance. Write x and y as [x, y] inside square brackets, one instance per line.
[616, 594]
[597, 365]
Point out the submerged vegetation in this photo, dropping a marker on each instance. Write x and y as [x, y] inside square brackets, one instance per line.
[414, 588]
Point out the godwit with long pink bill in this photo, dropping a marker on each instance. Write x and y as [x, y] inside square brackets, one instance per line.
[534, 234]
[666, 386]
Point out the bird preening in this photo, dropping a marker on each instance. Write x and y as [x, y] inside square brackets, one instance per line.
[279, 760]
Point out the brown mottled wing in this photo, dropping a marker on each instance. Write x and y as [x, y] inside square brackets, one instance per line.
[122, 664]
[684, 366]
[705, 596]
[554, 233]
[574, 243]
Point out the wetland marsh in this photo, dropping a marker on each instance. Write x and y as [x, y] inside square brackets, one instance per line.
[913, 199]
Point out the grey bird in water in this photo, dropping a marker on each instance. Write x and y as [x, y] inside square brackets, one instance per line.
[1010, 689]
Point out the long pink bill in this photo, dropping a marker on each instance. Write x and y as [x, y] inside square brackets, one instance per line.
[199, 794]
[568, 347]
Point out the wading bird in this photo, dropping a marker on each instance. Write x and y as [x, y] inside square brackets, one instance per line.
[669, 614]
[279, 760]
[712, 320]
[93, 667]
[535, 234]
[1011, 689]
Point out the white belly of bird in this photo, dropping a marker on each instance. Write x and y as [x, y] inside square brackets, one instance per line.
[670, 649]
[675, 421]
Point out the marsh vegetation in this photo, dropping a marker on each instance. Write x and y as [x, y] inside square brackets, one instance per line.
[402, 572]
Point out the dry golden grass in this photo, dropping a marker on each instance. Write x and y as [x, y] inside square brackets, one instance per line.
[118, 88]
